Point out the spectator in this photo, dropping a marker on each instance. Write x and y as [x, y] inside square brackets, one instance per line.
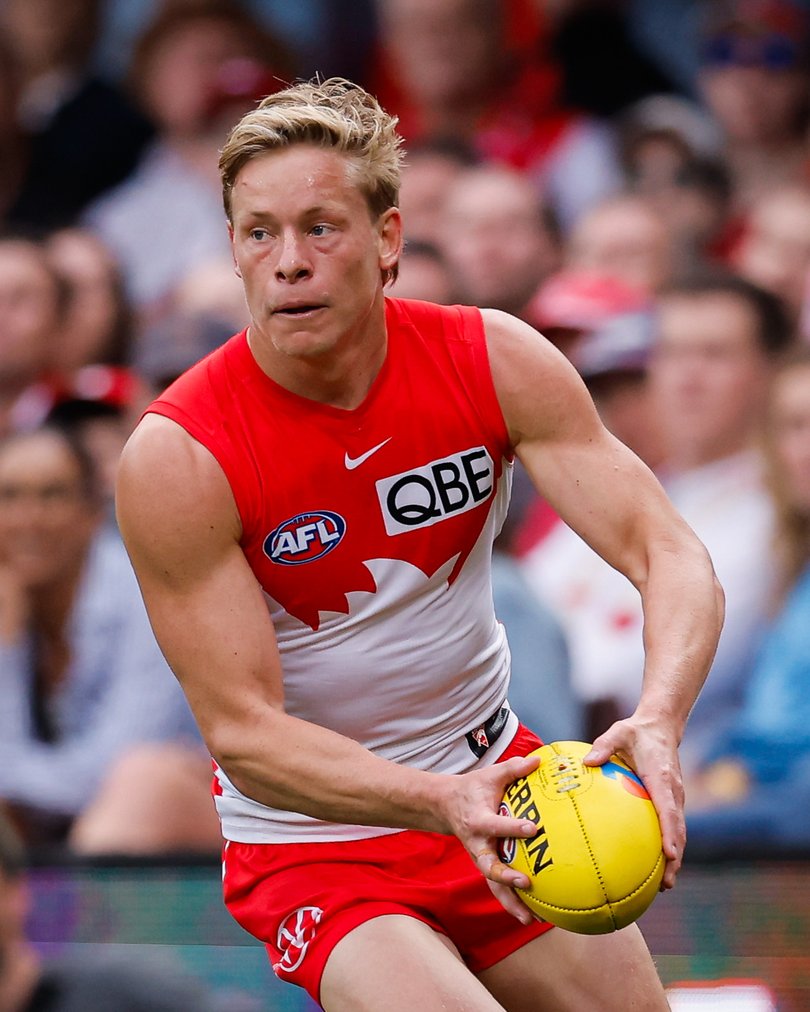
[540, 683]
[774, 250]
[213, 289]
[718, 339]
[96, 325]
[12, 142]
[754, 79]
[566, 308]
[627, 238]
[756, 784]
[175, 342]
[672, 156]
[196, 68]
[84, 685]
[613, 361]
[424, 274]
[572, 303]
[203, 309]
[82, 135]
[429, 174]
[32, 300]
[598, 608]
[77, 982]
[708, 371]
[592, 41]
[497, 238]
[480, 71]
[100, 405]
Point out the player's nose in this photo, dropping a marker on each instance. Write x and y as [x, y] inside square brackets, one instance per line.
[293, 262]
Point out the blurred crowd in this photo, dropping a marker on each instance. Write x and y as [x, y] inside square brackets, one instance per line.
[632, 179]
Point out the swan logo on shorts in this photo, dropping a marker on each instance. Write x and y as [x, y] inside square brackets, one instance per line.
[294, 935]
[507, 845]
[444, 488]
[304, 538]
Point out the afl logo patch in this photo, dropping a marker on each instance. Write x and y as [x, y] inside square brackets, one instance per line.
[304, 538]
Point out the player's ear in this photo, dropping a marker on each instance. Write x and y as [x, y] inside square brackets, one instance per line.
[236, 269]
[390, 235]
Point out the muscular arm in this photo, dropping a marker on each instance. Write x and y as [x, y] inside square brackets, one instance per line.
[612, 500]
[181, 527]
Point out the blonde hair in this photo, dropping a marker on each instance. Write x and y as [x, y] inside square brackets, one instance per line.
[334, 114]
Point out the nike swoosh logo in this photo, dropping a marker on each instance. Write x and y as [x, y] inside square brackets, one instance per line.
[353, 462]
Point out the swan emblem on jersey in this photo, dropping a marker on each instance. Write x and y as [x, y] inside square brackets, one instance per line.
[305, 537]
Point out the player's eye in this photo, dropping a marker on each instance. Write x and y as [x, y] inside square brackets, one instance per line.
[320, 230]
[258, 234]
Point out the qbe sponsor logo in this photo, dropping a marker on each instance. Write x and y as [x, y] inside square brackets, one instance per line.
[442, 489]
[304, 538]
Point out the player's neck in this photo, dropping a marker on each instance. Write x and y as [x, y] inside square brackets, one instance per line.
[340, 376]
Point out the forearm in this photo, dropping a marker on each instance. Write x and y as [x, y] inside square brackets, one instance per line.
[683, 615]
[291, 764]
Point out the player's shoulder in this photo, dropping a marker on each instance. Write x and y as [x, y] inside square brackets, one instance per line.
[537, 387]
[159, 442]
[514, 345]
[431, 316]
[164, 467]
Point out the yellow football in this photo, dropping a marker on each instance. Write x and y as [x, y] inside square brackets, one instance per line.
[595, 863]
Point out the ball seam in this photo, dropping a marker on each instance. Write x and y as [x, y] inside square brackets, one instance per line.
[587, 910]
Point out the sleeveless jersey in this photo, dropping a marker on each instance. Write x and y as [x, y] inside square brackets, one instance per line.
[370, 532]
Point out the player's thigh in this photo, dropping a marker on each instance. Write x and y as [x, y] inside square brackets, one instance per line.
[396, 962]
[566, 972]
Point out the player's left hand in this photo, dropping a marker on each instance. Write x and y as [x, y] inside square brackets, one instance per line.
[651, 749]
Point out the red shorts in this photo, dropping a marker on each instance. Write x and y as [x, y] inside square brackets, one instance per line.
[300, 899]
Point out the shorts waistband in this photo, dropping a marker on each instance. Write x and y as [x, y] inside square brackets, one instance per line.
[483, 737]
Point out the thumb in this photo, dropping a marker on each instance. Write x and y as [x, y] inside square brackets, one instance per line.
[600, 752]
[514, 769]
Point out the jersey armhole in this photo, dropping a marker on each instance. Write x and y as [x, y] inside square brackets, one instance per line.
[474, 331]
[199, 433]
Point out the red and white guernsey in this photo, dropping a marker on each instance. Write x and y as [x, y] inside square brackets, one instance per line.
[370, 532]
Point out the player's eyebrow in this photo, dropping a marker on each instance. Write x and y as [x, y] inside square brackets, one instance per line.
[316, 211]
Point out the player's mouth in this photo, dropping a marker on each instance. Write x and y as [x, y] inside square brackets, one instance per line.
[298, 311]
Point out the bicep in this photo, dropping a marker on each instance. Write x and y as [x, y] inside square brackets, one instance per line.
[599, 487]
[205, 605]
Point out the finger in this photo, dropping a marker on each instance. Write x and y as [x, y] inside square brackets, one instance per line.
[673, 827]
[495, 870]
[511, 903]
[601, 751]
[513, 769]
[674, 840]
[504, 825]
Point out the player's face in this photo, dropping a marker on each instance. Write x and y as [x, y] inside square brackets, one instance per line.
[308, 250]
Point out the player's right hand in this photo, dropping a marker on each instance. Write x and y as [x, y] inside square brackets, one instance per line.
[471, 812]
